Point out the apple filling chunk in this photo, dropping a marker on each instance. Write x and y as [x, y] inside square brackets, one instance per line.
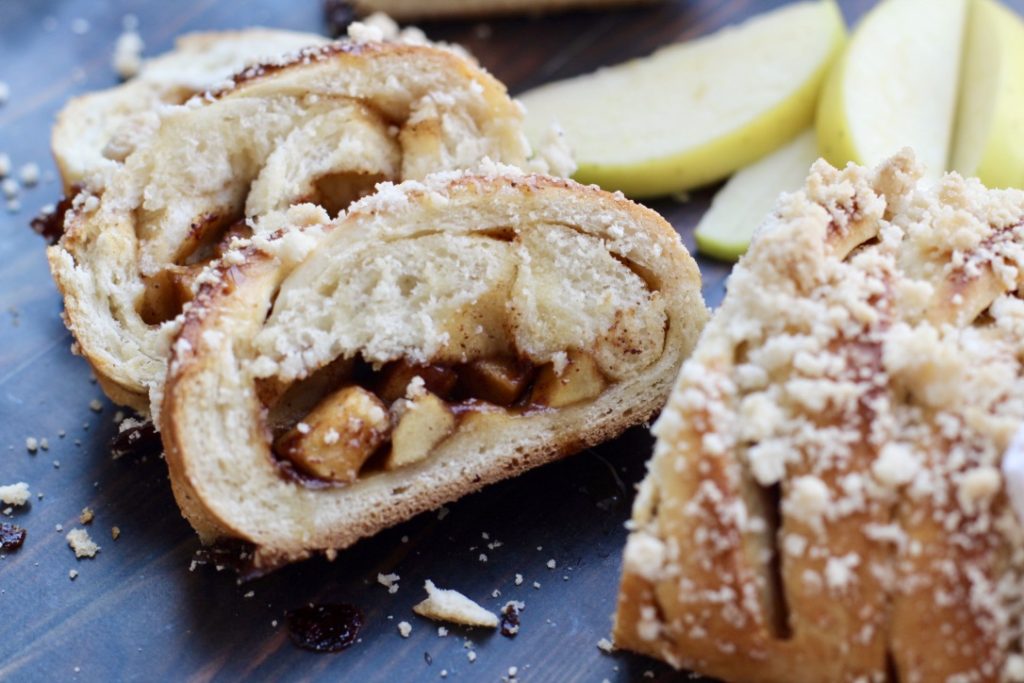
[399, 414]
[338, 436]
[421, 423]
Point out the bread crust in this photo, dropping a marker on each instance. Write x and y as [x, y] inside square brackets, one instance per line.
[215, 349]
[826, 501]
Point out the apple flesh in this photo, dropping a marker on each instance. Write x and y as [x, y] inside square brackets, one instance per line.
[895, 86]
[740, 207]
[692, 113]
[990, 118]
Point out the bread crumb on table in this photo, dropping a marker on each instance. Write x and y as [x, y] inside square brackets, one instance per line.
[127, 59]
[115, 532]
[15, 494]
[453, 606]
[87, 515]
[404, 628]
[73, 574]
[81, 543]
[31, 444]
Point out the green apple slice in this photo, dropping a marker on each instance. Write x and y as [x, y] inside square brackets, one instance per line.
[895, 86]
[990, 118]
[694, 112]
[740, 207]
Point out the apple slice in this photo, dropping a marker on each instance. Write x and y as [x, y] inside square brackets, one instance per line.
[990, 118]
[740, 207]
[895, 86]
[693, 113]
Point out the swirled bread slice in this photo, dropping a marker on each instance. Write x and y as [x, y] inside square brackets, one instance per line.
[442, 336]
[321, 127]
[95, 132]
[826, 500]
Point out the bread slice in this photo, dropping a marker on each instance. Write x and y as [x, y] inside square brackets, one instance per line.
[95, 132]
[322, 126]
[409, 10]
[430, 300]
[826, 501]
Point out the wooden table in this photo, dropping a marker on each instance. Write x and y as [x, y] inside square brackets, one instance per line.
[136, 612]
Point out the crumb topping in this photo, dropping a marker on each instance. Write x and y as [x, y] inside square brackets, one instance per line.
[848, 415]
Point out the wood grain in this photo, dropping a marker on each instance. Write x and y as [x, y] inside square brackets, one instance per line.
[136, 612]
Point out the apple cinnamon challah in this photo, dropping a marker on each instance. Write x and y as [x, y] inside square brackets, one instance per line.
[322, 126]
[443, 335]
[833, 490]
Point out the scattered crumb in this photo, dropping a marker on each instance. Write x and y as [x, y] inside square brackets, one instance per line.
[536, 585]
[444, 673]
[15, 494]
[5, 165]
[495, 593]
[8, 511]
[453, 606]
[95, 406]
[127, 58]
[115, 532]
[519, 579]
[87, 515]
[32, 444]
[249, 594]
[273, 623]
[471, 656]
[442, 632]
[483, 557]
[81, 543]
[552, 564]
[10, 188]
[44, 443]
[512, 671]
[389, 581]
[73, 574]
[404, 628]
[29, 174]
[605, 645]
[59, 528]
[331, 554]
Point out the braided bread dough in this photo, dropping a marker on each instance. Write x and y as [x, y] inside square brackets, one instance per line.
[95, 132]
[826, 502]
[322, 126]
[588, 301]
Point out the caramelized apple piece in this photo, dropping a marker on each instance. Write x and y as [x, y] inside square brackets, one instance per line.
[395, 378]
[496, 380]
[580, 380]
[423, 422]
[338, 435]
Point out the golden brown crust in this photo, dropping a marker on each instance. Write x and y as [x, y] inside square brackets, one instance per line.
[825, 501]
[487, 446]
